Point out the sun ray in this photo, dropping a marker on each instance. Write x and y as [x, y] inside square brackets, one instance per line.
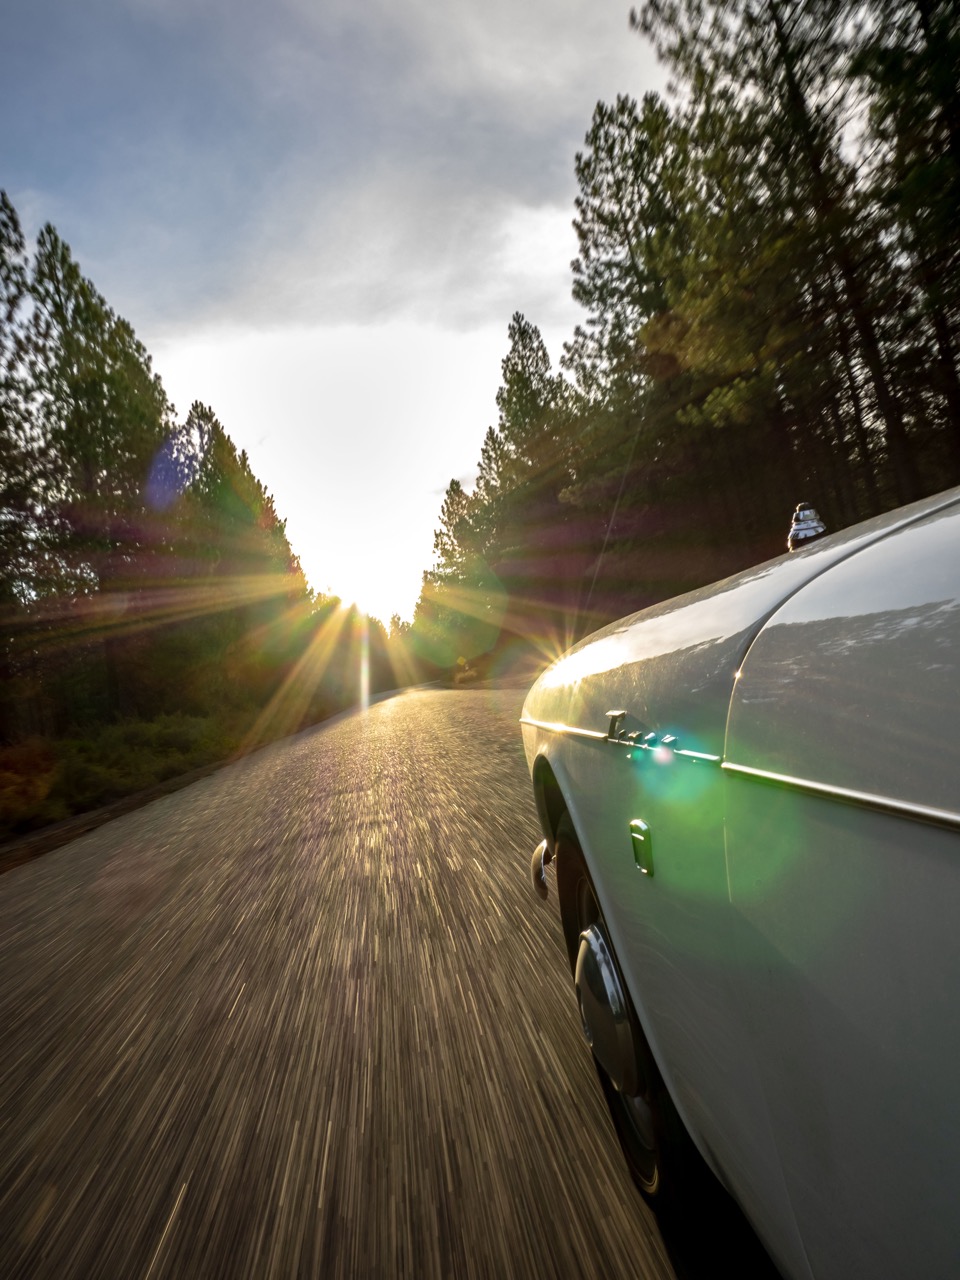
[283, 714]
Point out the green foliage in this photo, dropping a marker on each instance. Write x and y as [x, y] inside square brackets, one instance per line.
[458, 616]
[104, 415]
[495, 552]
[44, 780]
[27, 774]
[130, 756]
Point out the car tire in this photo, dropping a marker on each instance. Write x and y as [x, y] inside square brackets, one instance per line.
[661, 1157]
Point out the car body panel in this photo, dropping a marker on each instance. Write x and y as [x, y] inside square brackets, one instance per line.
[848, 972]
[848, 904]
[717, 936]
[832, 661]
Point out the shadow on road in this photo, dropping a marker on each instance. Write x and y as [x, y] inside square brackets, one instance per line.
[711, 1238]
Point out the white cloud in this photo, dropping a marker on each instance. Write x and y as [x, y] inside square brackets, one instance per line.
[401, 244]
[313, 161]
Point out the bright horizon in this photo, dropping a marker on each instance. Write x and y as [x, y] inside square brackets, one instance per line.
[378, 564]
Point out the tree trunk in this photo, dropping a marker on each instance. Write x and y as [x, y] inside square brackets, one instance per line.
[906, 481]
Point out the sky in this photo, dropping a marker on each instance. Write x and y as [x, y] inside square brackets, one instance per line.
[319, 217]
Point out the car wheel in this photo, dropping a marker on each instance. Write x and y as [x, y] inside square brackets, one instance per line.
[663, 1162]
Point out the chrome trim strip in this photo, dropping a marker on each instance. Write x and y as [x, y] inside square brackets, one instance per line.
[862, 799]
[571, 730]
[633, 744]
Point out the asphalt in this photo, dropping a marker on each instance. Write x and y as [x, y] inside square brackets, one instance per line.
[306, 1018]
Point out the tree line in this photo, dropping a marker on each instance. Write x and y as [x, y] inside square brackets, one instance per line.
[153, 616]
[769, 268]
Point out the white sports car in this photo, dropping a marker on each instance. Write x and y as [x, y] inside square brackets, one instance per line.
[751, 795]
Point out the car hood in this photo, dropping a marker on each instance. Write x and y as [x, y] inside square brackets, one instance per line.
[672, 667]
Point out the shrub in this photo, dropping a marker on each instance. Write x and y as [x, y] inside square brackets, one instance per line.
[27, 773]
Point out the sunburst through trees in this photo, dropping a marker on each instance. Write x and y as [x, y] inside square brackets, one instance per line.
[153, 616]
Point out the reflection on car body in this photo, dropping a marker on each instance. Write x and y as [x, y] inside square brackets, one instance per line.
[768, 966]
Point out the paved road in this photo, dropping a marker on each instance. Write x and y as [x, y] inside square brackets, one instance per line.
[306, 1018]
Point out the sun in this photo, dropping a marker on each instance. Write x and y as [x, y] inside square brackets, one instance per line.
[376, 597]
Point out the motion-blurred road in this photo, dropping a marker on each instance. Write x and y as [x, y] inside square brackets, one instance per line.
[307, 1018]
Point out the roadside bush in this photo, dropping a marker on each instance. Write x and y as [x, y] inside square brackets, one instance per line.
[43, 781]
[27, 773]
[133, 755]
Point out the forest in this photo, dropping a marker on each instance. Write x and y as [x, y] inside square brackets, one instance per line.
[769, 276]
[153, 617]
[769, 272]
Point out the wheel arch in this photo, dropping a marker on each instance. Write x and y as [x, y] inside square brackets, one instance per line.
[550, 800]
[552, 805]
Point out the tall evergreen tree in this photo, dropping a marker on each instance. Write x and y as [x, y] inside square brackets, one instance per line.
[789, 57]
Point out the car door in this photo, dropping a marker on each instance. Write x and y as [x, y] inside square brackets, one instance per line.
[671, 671]
[842, 833]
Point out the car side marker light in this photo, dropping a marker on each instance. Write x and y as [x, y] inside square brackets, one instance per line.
[642, 842]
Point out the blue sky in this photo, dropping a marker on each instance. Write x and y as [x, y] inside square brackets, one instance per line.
[319, 217]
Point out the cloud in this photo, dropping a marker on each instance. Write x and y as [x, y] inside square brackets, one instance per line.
[308, 162]
[405, 244]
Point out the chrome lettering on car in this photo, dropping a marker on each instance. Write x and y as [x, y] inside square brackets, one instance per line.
[638, 739]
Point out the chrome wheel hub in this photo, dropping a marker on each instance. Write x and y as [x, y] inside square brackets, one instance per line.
[604, 1011]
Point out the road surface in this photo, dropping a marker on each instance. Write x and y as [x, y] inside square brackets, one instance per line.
[306, 1018]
